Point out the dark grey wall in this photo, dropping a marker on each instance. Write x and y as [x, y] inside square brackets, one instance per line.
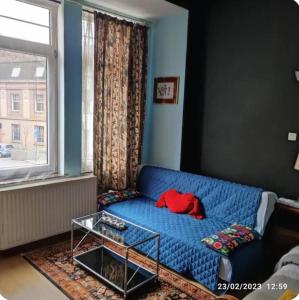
[249, 98]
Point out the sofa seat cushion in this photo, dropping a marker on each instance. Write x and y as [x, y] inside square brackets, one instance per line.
[181, 247]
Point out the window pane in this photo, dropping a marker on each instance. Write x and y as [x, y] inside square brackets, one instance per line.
[15, 72]
[39, 134]
[24, 31]
[39, 103]
[16, 133]
[23, 111]
[25, 12]
[15, 102]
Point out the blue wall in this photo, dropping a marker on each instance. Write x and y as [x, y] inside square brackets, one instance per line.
[72, 87]
[163, 122]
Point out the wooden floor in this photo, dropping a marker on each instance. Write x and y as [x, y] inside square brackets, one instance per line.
[20, 281]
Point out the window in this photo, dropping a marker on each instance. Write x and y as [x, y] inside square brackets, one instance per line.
[39, 103]
[39, 134]
[28, 52]
[15, 72]
[15, 102]
[39, 72]
[16, 133]
[25, 21]
[87, 90]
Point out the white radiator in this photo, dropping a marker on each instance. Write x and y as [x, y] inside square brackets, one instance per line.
[40, 210]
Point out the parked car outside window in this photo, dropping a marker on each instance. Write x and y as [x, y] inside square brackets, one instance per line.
[5, 150]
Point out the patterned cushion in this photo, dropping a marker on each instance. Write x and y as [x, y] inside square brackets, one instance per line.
[116, 196]
[227, 240]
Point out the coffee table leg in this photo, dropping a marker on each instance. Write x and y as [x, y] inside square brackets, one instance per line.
[158, 256]
[126, 274]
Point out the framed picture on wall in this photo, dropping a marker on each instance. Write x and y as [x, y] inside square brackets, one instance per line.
[166, 90]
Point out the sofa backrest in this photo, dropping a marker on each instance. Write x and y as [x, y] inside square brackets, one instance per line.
[223, 200]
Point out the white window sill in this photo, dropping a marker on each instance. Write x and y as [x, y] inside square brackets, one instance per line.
[31, 184]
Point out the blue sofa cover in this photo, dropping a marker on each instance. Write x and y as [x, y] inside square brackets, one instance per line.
[181, 249]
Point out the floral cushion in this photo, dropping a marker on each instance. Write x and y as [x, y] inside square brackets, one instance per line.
[116, 196]
[227, 240]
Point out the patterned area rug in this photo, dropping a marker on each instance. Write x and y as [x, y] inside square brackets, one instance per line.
[55, 263]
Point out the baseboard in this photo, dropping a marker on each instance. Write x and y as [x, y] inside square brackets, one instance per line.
[39, 244]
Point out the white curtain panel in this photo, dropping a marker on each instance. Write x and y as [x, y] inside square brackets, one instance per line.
[87, 90]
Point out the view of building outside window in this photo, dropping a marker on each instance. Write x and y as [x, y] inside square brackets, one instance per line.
[39, 103]
[15, 102]
[39, 134]
[23, 109]
[16, 133]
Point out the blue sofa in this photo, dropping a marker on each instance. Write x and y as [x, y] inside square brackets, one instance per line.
[181, 248]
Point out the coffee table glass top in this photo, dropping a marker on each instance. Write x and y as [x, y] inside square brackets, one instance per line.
[120, 231]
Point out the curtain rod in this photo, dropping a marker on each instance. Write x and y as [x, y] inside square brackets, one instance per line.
[109, 11]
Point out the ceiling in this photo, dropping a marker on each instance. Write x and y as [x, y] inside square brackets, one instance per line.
[144, 9]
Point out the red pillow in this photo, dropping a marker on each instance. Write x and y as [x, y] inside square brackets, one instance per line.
[181, 203]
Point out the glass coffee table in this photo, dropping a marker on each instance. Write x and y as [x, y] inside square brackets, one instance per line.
[115, 269]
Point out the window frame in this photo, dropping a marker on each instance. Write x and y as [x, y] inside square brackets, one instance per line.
[13, 75]
[42, 140]
[13, 126]
[51, 53]
[41, 102]
[12, 99]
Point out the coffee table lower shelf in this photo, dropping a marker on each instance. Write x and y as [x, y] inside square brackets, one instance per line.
[111, 268]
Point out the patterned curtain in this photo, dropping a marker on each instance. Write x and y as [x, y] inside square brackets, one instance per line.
[120, 85]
